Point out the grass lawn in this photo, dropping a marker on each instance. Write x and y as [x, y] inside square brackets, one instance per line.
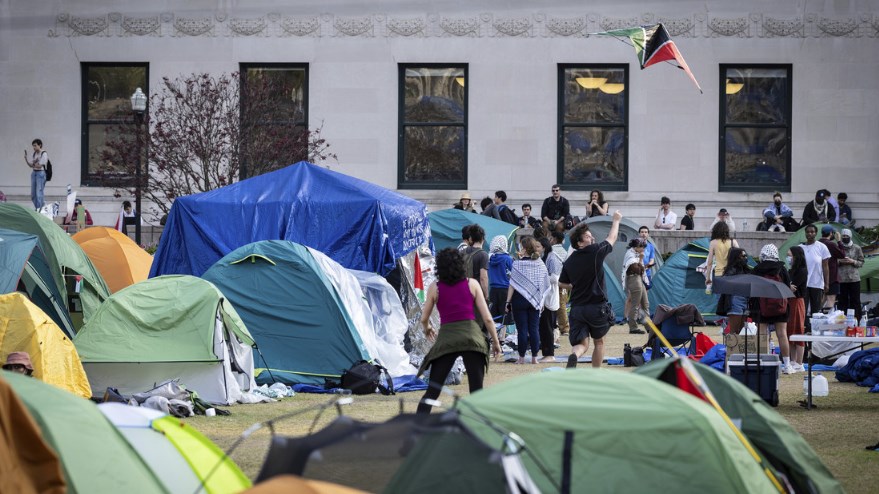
[845, 422]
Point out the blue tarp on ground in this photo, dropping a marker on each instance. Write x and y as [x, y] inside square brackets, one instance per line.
[358, 224]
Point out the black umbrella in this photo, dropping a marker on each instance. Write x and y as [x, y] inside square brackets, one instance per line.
[749, 285]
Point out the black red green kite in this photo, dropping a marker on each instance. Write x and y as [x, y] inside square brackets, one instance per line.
[652, 45]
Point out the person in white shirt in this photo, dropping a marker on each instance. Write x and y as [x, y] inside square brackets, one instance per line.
[665, 217]
[818, 282]
[723, 215]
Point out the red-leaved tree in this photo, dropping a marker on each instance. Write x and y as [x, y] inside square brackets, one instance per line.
[202, 132]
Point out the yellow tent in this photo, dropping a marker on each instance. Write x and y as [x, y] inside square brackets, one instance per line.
[119, 260]
[26, 328]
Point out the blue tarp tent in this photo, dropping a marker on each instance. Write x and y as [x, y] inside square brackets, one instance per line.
[305, 311]
[358, 224]
[445, 228]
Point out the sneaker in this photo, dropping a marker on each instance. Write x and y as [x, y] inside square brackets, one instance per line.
[788, 369]
[636, 331]
[572, 361]
[798, 367]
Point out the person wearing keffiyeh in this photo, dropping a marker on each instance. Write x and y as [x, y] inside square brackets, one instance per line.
[529, 282]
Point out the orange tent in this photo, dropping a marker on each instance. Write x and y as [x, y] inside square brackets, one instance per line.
[119, 260]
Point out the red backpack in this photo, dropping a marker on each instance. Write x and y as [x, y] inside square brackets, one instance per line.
[773, 307]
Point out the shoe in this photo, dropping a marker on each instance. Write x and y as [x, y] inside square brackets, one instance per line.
[556, 345]
[636, 331]
[546, 360]
[572, 361]
[788, 369]
[798, 367]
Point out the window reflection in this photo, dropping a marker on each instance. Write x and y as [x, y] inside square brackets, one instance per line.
[593, 141]
[433, 126]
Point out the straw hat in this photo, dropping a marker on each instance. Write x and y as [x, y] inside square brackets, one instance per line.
[465, 195]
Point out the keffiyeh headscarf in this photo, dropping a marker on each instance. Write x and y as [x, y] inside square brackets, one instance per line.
[847, 233]
[769, 252]
[498, 244]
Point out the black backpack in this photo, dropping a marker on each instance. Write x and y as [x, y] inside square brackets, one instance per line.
[364, 378]
[508, 215]
[48, 170]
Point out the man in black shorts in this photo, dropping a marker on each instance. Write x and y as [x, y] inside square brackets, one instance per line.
[583, 277]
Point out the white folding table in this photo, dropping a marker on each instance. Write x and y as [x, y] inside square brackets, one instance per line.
[808, 339]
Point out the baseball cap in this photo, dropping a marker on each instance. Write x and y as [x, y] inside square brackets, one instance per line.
[722, 211]
[827, 229]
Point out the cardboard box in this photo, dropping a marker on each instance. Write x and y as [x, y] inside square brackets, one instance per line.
[735, 343]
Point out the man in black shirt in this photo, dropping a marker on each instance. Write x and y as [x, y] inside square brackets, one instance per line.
[583, 276]
[687, 220]
[556, 211]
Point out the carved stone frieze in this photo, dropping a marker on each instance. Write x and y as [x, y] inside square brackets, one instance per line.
[566, 26]
[187, 26]
[247, 27]
[300, 26]
[838, 27]
[495, 24]
[406, 27]
[463, 26]
[611, 23]
[729, 27]
[782, 27]
[89, 26]
[141, 26]
[513, 26]
[354, 26]
[678, 27]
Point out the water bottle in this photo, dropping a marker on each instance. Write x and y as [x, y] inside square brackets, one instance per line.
[708, 289]
[863, 323]
[806, 385]
[819, 385]
[850, 318]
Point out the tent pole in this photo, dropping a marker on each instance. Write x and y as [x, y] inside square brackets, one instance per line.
[255, 346]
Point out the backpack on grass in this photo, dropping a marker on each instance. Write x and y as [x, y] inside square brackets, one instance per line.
[364, 378]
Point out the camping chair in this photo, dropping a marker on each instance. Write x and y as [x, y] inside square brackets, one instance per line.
[676, 325]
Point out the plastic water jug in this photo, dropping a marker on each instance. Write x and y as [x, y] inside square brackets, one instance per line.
[820, 386]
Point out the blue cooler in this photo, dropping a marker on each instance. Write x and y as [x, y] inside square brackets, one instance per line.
[760, 376]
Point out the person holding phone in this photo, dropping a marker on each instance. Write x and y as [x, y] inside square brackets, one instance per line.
[38, 162]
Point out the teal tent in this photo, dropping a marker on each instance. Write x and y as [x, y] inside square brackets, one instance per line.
[445, 228]
[600, 430]
[779, 443]
[305, 311]
[65, 257]
[678, 282]
[23, 266]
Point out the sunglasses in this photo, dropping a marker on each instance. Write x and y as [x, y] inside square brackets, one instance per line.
[555, 190]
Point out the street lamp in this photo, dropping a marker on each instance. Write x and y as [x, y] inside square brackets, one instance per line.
[138, 106]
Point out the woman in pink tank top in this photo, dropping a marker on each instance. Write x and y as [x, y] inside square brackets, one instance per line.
[458, 299]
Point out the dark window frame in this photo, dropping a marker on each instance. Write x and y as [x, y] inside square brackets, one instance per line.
[722, 186]
[86, 178]
[562, 125]
[402, 125]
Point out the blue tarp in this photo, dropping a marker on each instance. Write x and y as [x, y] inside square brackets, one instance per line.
[358, 224]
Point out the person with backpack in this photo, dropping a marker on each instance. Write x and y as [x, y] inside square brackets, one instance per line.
[476, 259]
[502, 211]
[529, 282]
[39, 162]
[774, 310]
[459, 301]
[500, 264]
[737, 263]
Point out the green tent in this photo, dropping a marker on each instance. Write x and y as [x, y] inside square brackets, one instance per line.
[600, 430]
[94, 455]
[169, 327]
[305, 310]
[870, 274]
[765, 428]
[65, 257]
[445, 228]
[23, 266]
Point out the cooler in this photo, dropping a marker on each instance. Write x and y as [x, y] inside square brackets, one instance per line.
[762, 380]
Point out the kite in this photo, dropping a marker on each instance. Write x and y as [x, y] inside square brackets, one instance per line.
[652, 45]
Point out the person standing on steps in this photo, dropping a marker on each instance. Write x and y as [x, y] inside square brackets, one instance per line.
[38, 161]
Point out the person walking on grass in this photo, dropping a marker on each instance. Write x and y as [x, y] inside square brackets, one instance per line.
[458, 299]
[529, 282]
[583, 276]
[634, 279]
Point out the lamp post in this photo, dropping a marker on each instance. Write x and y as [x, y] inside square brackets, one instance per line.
[138, 106]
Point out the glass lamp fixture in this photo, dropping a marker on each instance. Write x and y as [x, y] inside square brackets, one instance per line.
[138, 101]
[733, 87]
[460, 81]
[591, 82]
[612, 88]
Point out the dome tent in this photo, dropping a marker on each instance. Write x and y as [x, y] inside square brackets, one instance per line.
[119, 260]
[305, 311]
[167, 328]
